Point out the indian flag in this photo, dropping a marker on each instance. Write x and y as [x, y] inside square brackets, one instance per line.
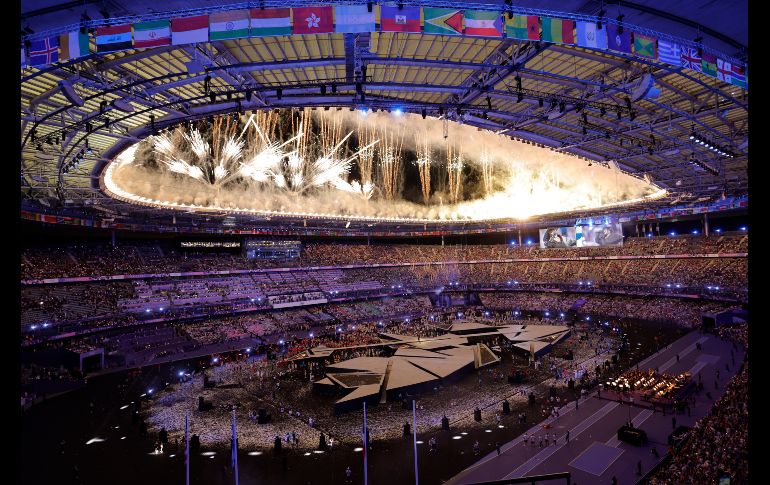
[483, 23]
[229, 25]
[270, 21]
[73, 45]
[152, 34]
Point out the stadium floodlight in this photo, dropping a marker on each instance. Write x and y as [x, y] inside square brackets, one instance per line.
[398, 112]
[717, 230]
[695, 231]
[743, 228]
[672, 233]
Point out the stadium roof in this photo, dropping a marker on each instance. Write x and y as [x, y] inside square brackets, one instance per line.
[467, 79]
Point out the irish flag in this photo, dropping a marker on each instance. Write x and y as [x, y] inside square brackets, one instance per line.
[152, 34]
[113, 38]
[229, 25]
[483, 23]
[270, 21]
[190, 30]
[73, 45]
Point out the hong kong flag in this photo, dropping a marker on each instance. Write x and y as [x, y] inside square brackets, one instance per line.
[312, 20]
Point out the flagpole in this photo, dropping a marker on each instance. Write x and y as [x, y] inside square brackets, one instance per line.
[414, 429]
[366, 445]
[187, 448]
[235, 450]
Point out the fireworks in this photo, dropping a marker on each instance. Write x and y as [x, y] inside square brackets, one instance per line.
[304, 162]
[454, 162]
[487, 170]
[423, 163]
[295, 171]
[391, 166]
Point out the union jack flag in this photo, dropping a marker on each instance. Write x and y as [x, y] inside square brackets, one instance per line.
[691, 59]
[44, 51]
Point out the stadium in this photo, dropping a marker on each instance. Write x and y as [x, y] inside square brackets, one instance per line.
[384, 242]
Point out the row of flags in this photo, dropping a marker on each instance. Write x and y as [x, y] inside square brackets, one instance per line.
[258, 22]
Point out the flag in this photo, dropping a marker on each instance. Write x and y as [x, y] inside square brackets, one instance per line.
[43, 51]
[483, 23]
[724, 71]
[394, 20]
[738, 77]
[709, 63]
[558, 31]
[113, 38]
[353, 18]
[270, 21]
[23, 58]
[153, 33]
[669, 52]
[312, 20]
[231, 24]
[617, 41]
[588, 35]
[644, 46]
[73, 45]
[190, 30]
[445, 21]
[525, 27]
[691, 59]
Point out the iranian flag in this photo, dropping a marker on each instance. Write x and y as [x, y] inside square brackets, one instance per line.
[154, 33]
[483, 23]
[229, 25]
[190, 30]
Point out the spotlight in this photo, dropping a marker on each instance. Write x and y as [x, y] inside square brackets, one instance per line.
[334, 88]
[601, 14]
[89, 127]
[620, 27]
[279, 93]
[323, 89]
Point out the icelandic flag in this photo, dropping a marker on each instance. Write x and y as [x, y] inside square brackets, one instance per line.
[44, 51]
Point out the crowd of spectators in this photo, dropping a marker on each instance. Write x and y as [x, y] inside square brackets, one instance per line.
[154, 258]
[718, 444]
